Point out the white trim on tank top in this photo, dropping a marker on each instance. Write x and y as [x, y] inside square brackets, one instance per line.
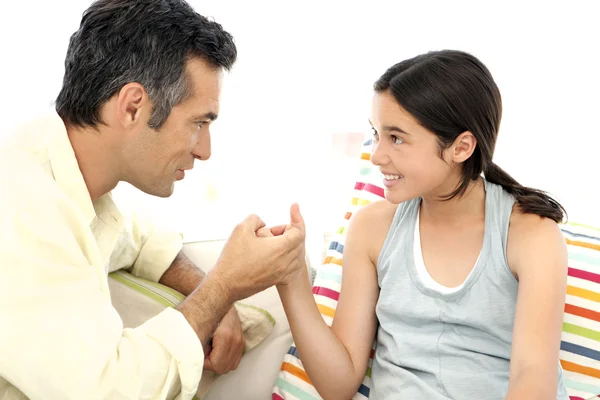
[424, 275]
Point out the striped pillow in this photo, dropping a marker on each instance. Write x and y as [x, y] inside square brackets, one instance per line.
[580, 345]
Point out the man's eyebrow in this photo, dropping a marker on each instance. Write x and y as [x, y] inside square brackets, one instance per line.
[211, 116]
[392, 128]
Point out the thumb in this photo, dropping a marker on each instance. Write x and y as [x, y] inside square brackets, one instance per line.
[264, 232]
[296, 219]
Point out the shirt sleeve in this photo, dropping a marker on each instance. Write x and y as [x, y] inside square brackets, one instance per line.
[150, 249]
[60, 337]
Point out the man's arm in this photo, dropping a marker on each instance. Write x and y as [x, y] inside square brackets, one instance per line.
[183, 275]
[63, 326]
[224, 347]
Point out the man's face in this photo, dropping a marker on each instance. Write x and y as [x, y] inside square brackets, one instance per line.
[162, 156]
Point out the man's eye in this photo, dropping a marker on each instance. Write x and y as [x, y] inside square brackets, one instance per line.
[200, 124]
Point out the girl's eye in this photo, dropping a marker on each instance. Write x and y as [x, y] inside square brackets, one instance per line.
[397, 140]
[375, 135]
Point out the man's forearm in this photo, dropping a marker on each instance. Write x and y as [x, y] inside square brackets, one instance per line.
[182, 275]
[206, 306]
[206, 302]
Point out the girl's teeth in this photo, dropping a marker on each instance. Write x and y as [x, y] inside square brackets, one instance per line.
[391, 177]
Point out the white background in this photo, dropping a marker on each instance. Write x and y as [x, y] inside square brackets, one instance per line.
[305, 72]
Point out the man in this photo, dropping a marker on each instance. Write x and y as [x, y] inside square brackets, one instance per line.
[141, 89]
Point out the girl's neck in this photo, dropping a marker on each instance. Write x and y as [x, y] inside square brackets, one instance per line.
[470, 205]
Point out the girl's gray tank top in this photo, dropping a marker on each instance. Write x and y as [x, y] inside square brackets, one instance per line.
[439, 346]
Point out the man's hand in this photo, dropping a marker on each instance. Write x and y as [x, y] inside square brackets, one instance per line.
[249, 263]
[228, 344]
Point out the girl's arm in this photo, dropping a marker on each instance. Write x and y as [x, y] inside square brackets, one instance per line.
[537, 254]
[336, 359]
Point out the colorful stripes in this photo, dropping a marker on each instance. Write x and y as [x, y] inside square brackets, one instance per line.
[367, 187]
[583, 293]
[333, 260]
[298, 372]
[580, 369]
[588, 276]
[327, 311]
[323, 291]
[580, 350]
[294, 370]
[582, 312]
[587, 245]
[336, 247]
[580, 345]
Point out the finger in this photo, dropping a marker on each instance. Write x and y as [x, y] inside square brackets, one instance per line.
[278, 230]
[208, 365]
[218, 358]
[234, 350]
[240, 351]
[296, 218]
[207, 348]
[252, 223]
[237, 363]
[264, 232]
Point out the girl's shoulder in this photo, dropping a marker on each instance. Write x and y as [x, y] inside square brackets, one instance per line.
[531, 236]
[377, 215]
[371, 224]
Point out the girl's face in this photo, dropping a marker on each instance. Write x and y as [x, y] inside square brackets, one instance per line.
[409, 155]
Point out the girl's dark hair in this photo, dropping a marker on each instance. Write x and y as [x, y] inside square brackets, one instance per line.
[450, 92]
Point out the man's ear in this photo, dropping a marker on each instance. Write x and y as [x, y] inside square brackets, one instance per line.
[132, 103]
[463, 147]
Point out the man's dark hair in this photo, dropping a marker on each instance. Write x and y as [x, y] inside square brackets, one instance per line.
[143, 41]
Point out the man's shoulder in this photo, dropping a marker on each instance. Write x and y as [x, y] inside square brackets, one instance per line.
[26, 182]
[24, 157]
[25, 146]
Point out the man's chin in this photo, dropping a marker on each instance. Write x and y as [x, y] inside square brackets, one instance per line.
[164, 192]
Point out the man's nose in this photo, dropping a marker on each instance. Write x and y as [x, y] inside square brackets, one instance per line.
[202, 150]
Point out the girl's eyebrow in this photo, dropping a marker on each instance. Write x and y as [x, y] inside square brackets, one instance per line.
[393, 128]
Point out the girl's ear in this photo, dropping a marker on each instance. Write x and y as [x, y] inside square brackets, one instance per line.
[463, 147]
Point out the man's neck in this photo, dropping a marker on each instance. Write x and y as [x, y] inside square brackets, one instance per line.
[97, 157]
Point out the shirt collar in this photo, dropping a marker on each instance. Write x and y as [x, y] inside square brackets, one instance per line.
[64, 165]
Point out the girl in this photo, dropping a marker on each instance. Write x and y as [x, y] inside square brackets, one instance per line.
[460, 278]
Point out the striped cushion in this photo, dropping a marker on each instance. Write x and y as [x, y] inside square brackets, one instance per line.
[580, 346]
